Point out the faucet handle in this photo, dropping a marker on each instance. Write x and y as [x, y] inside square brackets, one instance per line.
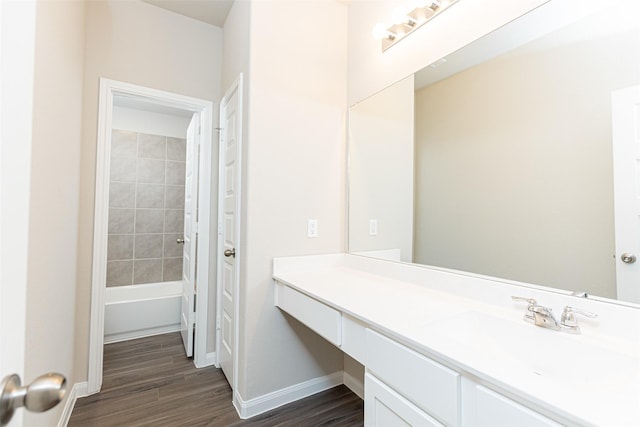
[528, 316]
[569, 321]
[529, 301]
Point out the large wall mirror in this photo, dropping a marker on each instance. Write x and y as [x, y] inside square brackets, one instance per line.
[499, 159]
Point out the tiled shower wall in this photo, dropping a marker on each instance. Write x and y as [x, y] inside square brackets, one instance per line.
[146, 208]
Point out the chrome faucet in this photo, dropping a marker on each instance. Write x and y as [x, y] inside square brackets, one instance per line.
[543, 316]
[568, 321]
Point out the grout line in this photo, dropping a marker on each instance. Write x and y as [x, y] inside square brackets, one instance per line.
[135, 213]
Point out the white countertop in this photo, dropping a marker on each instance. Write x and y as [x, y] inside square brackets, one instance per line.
[417, 310]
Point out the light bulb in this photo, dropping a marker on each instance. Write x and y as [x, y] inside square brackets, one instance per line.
[435, 4]
[401, 16]
[431, 4]
[380, 32]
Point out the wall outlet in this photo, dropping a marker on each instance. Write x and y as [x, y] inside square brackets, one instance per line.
[373, 227]
[312, 228]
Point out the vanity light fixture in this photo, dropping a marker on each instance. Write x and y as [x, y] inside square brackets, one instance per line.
[405, 21]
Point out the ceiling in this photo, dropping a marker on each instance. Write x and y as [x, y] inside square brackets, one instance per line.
[212, 12]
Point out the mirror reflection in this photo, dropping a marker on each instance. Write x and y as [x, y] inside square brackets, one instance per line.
[503, 165]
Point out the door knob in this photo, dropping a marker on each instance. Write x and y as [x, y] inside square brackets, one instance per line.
[628, 258]
[230, 252]
[42, 394]
[180, 241]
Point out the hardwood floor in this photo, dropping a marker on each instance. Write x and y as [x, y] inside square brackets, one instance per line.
[150, 382]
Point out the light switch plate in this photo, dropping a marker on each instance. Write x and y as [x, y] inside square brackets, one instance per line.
[373, 227]
[312, 228]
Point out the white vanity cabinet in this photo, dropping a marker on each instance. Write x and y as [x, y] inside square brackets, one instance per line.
[402, 386]
[437, 350]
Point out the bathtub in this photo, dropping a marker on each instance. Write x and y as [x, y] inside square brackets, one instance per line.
[141, 310]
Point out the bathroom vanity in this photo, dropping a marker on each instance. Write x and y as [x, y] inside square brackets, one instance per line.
[444, 348]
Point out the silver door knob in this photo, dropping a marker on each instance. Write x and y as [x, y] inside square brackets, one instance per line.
[628, 258]
[230, 252]
[42, 394]
[180, 241]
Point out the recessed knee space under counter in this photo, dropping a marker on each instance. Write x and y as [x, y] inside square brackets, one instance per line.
[443, 348]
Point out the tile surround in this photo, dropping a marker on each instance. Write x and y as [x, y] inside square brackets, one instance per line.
[149, 221]
[119, 273]
[121, 221]
[146, 208]
[175, 173]
[172, 269]
[151, 171]
[173, 220]
[147, 271]
[151, 195]
[176, 149]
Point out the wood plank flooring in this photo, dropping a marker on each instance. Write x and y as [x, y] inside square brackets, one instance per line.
[150, 382]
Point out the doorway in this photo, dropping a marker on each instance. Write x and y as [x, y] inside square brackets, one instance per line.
[151, 220]
[626, 178]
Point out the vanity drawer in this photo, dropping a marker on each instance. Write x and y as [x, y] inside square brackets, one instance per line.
[491, 409]
[429, 385]
[319, 317]
[353, 338]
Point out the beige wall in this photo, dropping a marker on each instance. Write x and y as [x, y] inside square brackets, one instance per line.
[381, 170]
[141, 44]
[294, 170]
[514, 168]
[55, 167]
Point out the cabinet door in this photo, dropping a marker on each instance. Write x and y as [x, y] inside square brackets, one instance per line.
[383, 407]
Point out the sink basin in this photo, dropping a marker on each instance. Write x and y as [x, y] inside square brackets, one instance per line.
[523, 349]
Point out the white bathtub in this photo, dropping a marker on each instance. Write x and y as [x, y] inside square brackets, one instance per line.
[141, 310]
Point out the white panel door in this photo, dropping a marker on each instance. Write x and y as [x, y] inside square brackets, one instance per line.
[17, 38]
[229, 227]
[189, 252]
[626, 174]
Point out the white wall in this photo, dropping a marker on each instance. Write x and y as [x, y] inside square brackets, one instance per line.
[55, 167]
[381, 170]
[142, 44]
[294, 170]
[370, 70]
[141, 121]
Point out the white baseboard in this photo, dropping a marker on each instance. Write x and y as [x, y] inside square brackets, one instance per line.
[354, 384]
[210, 360]
[258, 405]
[141, 333]
[77, 391]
